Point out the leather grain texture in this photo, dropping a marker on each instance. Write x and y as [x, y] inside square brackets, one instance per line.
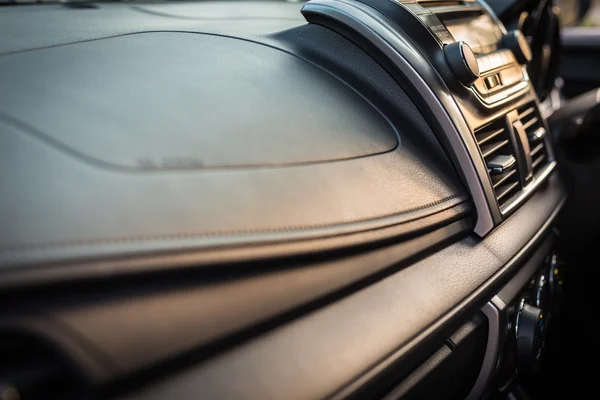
[337, 345]
[159, 142]
[198, 102]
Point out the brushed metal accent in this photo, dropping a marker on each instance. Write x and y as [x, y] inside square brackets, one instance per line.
[488, 367]
[528, 190]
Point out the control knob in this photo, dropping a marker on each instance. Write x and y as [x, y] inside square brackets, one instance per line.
[530, 330]
[462, 62]
[517, 43]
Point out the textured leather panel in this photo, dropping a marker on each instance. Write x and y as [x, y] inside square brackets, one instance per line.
[202, 258]
[73, 189]
[24, 28]
[506, 242]
[335, 345]
[229, 11]
[202, 101]
[161, 323]
[56, 207]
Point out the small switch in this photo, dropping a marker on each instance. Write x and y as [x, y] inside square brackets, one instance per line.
[492, 81]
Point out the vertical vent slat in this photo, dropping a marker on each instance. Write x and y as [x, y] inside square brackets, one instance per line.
[497, 152]
[534, 128]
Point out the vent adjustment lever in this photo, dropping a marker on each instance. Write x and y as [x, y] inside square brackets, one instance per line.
[501, 163]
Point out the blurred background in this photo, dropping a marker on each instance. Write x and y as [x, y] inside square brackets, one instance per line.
[580, 12]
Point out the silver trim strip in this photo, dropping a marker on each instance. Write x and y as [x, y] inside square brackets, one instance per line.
[379, 31]
[528, 190]
[505, 95]
[488, 367]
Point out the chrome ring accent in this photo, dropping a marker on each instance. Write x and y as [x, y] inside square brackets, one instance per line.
[386, 37]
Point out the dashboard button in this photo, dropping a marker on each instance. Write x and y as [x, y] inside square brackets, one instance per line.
[511, 76]
[483, 63]
[492, 81]
[492, 61]
[437, 28]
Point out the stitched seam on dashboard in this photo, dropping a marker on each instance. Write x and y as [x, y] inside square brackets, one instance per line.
[74, 243]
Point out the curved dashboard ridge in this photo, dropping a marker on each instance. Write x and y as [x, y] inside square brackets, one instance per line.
[202, 140]
[226, 200]
[124, 106]
[439, 289]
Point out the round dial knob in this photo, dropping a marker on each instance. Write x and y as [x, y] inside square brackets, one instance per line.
[462, 62]
[515, 41]
[530, 332]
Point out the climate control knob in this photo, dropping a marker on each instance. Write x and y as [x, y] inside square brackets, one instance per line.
[531, 335]
[517, 43]
[462, 62]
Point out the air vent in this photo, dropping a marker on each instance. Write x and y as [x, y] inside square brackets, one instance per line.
[535, 131]
[499, 156]
[31, 369]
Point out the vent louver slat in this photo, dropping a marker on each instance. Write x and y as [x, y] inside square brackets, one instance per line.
[505, 190]
[498, 180]
[498, 154]
[517, 154]
[535, 131]
[492, 148]
[487, 136]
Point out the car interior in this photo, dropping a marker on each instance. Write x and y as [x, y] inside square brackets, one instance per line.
[323, 199]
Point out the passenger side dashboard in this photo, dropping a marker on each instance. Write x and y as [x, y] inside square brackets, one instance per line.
[275, 207]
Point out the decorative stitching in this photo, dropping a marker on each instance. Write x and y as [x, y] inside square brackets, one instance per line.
[73, 243]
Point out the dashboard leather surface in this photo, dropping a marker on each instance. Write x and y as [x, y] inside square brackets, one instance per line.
[161, 322]
[24, 28]
[332, 347]
[101, 156]
[152, 101]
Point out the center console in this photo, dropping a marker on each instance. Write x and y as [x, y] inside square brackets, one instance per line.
[467, 74]
[519, 317]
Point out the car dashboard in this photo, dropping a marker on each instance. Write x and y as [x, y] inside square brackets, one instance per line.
[266, 200]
